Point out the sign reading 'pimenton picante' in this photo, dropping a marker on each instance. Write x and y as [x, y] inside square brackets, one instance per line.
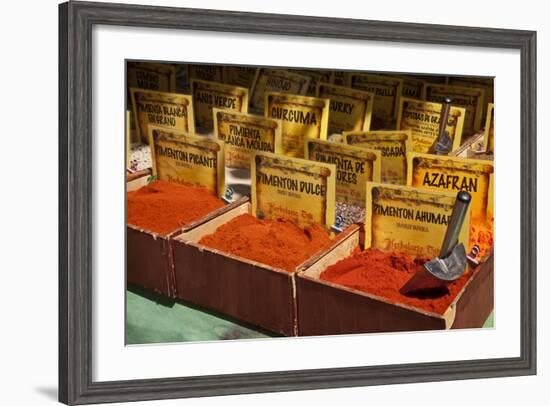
[187, 159]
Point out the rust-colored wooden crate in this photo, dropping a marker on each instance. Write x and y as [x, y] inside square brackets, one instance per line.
[149, 260]
[243, 289]
[325, 308]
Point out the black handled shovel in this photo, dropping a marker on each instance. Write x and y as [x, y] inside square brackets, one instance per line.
[451, 262]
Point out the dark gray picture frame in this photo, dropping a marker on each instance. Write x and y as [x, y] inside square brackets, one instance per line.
[76, 20]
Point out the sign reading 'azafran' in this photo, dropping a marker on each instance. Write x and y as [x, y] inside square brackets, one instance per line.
[409, 220]
[296, 189]
[455, 174]
[187, 159]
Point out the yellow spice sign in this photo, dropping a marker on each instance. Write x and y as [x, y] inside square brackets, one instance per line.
[354, 168]
[276, 80]
[188, 159]
[387, 91]
[422, 119]
[244, 134]
[209, 95]
[455, 174]
[291, 188]
[350, 109]
[151, 76]
[393, 147]
[489, 136]
[167, 110]
[302, 117]
[409, 220]
[469, 98]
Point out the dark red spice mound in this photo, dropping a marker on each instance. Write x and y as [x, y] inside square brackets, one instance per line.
[383, 274]
[278, 243]
[163, 207]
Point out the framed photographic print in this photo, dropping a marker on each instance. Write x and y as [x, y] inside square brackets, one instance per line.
[260, 202]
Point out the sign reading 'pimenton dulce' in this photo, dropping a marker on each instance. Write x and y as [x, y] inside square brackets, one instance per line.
[292, 188]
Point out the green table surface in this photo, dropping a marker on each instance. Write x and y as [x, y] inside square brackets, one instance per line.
[151, 318]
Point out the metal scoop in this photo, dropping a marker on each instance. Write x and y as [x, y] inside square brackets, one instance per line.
[443, 144]
[452, 260]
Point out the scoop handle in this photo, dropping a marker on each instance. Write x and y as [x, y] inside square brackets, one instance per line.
[458, 216]
[444, 117]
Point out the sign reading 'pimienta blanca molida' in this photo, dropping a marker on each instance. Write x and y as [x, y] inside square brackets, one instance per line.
[393, 147]
[302, 117]
[455, 174]
[296, 189]
[409, 220]
[209, 95]
[244, 134]
[167, 110]
[188, 159]
[354, 168]
[422, 119]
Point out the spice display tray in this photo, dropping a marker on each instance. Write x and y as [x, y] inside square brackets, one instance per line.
[325, 308]
[149, 261]
[243, 289]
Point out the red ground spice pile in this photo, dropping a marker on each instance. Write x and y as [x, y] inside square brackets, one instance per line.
[383, 274]
[278, 243]
[481, 233]
[163, 207]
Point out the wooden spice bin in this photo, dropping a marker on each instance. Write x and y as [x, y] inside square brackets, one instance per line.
[243, 289]
[325, 308]
[149, 259]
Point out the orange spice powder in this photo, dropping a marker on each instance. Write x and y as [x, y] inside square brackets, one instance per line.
[383, 274]
[163, 207]
[481, 234]
[278, 243]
